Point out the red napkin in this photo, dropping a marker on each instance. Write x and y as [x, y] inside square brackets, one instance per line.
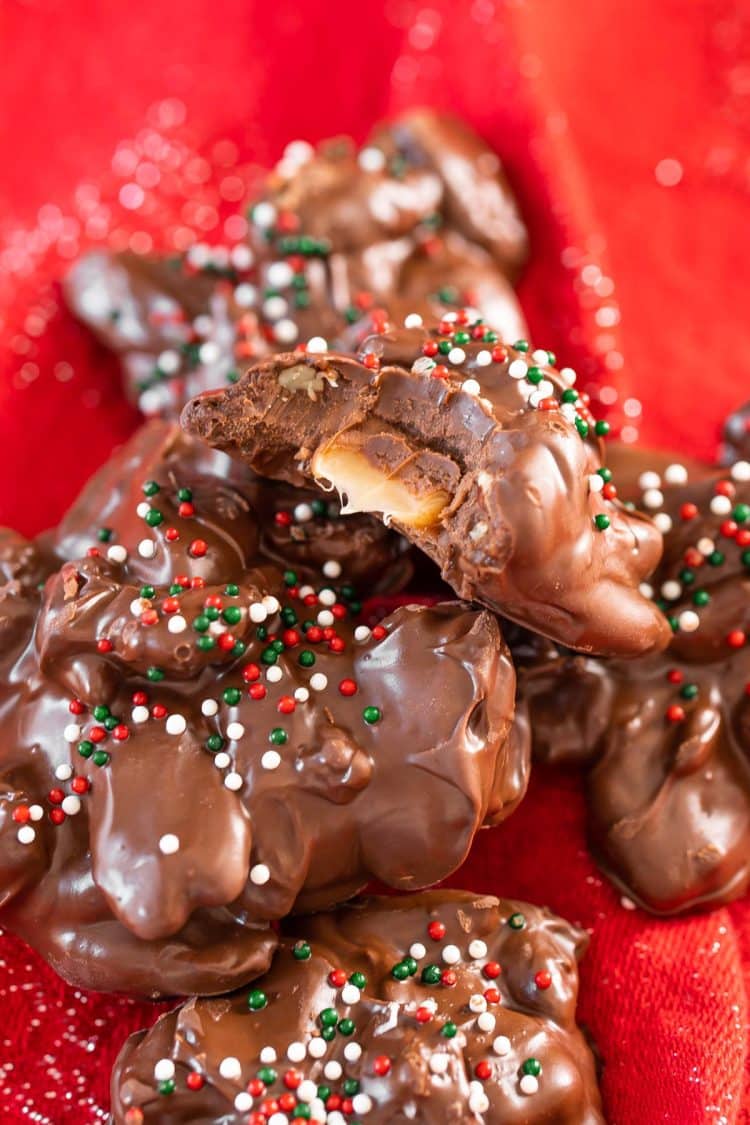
[626, 131]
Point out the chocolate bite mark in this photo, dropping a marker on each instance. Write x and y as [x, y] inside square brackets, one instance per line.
[489, 462]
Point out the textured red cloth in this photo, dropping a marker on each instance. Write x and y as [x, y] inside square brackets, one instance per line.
[626, 130]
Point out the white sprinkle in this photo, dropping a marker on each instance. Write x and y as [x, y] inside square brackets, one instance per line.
[439, 1063]
[423, 365]
[164, 1070]
[285, 330]
[36, 812]
[264, 215]
[721, 505]
[138, 605]
[209, 707]
[299, 152]
[230, 1067]
[327, 597]
[663, 522]
[332, 568]
[544, 389]
[271, 760]
[26, 834]
[478, 1101]
[568, 411]
[209, 352]
[147, 548]
[301, 694]
[169, 361]
[688, 621]
[305, 591]
[275, 307]
[143, 509]
[71, 805]
[676, 474]
[259, 874]
[235, 731]
[279, 275]
[451, 954]
[350, 994]
[268, 1056]
[568, 375]
[296, 1052]
[317, 1047]
[596, 483]
[176, 724]
[646, 589]
[477, 1003]
[139, 714]
[529, 1084]
[413, 320]
[325, 618]
[362, 634]
[483, 358]
[470, 387]
[361, 1103]
[177, 624]
[316, 345]
[372, 159]
[307, 1089]
[117, 553]
[72, 732]
[671, 590]
[649, 479]
[279, 1119]
[234, 782]
[486, 1022]
[169, 844]
[318, 681]
[501, 1045]
[417, 951]
[242, 257]
[352, 1052]
[456, 355]
[271, 603]
[258, 613]
[332, 1070]
[652, 498]
[478, 948]
[706, 546]
[216, 628]
[246, 295]
[64, 772]
[222, 760]
[243, 1102]
[274, 674]
[740, 470]
[517, 369]
[303, 513]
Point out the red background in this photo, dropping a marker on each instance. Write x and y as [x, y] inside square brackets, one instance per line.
[583, 100]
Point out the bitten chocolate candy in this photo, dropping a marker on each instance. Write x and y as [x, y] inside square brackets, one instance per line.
[481, 454]
[668, 737]
[422, 216]
[195, 744]
[437, 1007]
[296, 529]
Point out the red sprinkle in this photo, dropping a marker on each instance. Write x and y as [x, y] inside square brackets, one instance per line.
[492, 970]
[195, 1081]
[424, 1015]
[499, 354]
[198, 548]
[257, 691]
[22, 814]
[80, 785]
[251, 673]
[436, 930]
[292, 1079]
[448, 978]
[186, 510]
[121, 732]
[430, 348]
[675, 713]
[57, 816]
[170, 605]
[337, 978]
[381, 1065]
[492, 995]
[76, 707]
[286, 705]
[736, 638]
[226, 642]
[675, 676]
[97, 734]
[688, 511]
[483, 1070]
[543, 979]
[103, 645]
[171, 535]
[439, 371]
[348, 687]
[729, 529]
[158, 711]
[379, 632]
[283, 519]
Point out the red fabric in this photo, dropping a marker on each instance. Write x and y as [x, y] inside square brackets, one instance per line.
[584, 102]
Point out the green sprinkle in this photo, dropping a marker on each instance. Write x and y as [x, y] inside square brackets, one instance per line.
[232, 615]
[448, 1030]
[359, 980]
[521, 345]
[269, 656]
[320, 508]
[328, 1033]
[154, 517]
[351, 1087]
[741, 513]
[346, 1026]
[148, 592]
[231, 589]
[155, 675]
[582, 427]
[267, 1075]
[701, 597]
[214, 743]
[715, 558]
[100, 758]
[329, 1017]
[85, 748]
[104, 534]
[201, 623]
[302, 951]
[166, 1087]
[101, 712]
[150, 488]
[290, 578]
[212, 613]
[231, 696]
[257, 1000]
[278, 736]
[689, 691]
[372, 715]
[288, 616]
[601, 521]
[532, 1066]
[534, 375]
[400, 971]
[431, 974]
[601, 428]
[605, 474]
[687, 577]
[185, 495]
[111, 722]
[570, 394]
[205, 644]
[306, 658]
[517, 921]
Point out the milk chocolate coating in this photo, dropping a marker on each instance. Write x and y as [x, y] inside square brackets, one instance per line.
[736, 436]
[415, 1051]
[333, 234]
[667, 737]
[268, 521]
[194, 746]
[497, 453]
